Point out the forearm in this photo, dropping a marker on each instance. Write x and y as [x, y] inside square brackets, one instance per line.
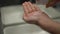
[33, 13]
[50, 26]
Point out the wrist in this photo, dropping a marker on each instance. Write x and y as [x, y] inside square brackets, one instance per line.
[45, 21]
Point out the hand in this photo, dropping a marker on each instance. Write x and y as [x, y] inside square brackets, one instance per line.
[32, 13]
[52, 3]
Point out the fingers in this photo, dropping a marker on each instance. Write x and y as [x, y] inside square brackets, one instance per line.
[37, 8]
[25, 8]
[32, 7]
[29, 7]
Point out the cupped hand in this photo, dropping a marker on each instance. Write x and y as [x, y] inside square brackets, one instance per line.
[32, 13]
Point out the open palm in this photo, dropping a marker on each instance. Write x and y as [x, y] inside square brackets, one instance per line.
[33, 13]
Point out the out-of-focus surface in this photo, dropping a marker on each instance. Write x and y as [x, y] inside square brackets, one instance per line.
[24, 29]
[12, 14]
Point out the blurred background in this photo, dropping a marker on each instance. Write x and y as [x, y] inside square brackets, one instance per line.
[14, 2]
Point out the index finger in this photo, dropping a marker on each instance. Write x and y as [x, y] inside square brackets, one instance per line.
[25, 8]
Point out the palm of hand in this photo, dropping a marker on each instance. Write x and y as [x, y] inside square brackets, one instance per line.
[34, 16]
[33, 13]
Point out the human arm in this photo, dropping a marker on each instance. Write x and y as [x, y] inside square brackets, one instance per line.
[50, 26]
[34, 15]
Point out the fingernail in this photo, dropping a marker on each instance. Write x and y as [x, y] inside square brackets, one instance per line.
[23, 4]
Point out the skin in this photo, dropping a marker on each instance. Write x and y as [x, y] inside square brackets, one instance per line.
[34, 15]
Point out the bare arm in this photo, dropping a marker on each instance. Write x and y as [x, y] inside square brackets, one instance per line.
[50, 26]
[34, 15]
